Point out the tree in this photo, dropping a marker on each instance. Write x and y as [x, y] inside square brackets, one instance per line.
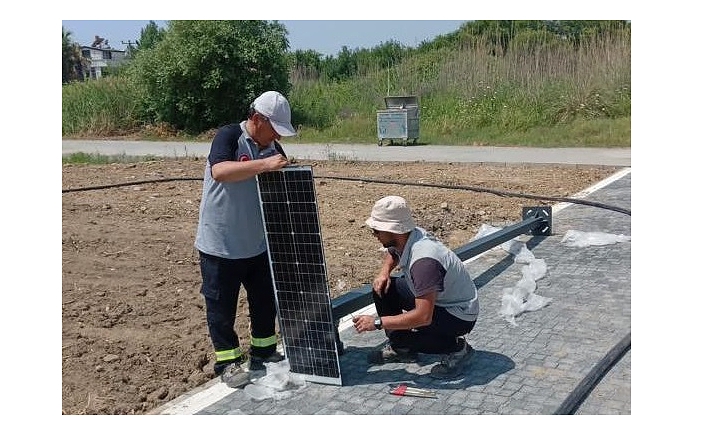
[204, 74]
[341, 67]
[382, 56]
[72, 62]
[497, 35]
[150, 35]
[305, 64]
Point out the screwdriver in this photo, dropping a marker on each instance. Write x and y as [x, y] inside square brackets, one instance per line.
[404, 390]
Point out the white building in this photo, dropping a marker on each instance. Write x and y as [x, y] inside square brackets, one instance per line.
[100, 55]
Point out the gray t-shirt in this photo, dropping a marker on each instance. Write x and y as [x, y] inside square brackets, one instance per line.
[230, 219]
[430, 265]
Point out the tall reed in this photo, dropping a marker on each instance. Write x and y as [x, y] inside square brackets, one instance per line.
[102, 107]
[479, 93]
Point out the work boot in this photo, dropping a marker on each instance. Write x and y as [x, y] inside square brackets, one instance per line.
[235, 375]
[452, 364]
[257, 363]
[390, 354]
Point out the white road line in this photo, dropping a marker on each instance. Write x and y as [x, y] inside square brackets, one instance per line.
[196, 400]
[599, 185]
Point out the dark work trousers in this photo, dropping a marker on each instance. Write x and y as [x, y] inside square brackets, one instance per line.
[439, 337]
[221, 285]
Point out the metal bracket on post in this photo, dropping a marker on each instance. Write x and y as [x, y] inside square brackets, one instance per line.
[544, 228]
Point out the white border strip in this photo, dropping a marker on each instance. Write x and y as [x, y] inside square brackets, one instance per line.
[201, 397]
[599, 185]
[197, 399]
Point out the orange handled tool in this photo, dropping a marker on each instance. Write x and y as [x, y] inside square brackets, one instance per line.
[404, 390]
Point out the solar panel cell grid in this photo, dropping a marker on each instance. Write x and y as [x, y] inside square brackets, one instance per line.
[290, 215]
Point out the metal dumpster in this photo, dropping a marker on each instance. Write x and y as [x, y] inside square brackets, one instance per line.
[400, 120]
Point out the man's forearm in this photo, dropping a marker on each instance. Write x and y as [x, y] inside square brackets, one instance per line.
[388, 264]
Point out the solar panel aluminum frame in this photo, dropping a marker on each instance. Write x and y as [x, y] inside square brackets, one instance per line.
[298, 267]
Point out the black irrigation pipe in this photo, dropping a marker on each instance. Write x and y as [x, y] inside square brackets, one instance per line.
[131, 183]
[485, 190]
[584, 388]
[372, 180]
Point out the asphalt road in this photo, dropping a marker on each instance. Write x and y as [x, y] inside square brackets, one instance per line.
[372, 152]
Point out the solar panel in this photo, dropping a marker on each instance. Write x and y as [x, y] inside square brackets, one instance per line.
[295, 247]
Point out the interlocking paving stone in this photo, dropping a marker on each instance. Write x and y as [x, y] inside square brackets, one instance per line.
[528, 369]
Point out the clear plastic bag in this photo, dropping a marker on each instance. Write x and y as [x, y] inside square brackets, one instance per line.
[278, 382]
[577, 238]
[521, 298]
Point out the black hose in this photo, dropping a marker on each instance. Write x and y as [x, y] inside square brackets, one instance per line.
[131, 183]
[485, 190]
[372, 180]
[579, 394]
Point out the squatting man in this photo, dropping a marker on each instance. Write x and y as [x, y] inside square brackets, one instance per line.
[430, 305]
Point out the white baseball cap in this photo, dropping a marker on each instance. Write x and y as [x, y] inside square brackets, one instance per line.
[275, 107]
[391, 214]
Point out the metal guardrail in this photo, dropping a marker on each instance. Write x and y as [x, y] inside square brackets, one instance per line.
[535, 221]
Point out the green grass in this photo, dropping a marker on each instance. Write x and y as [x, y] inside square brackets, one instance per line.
[98, 159]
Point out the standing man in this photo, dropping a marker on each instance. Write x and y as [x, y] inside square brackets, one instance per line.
[431, 306]
[231, 240]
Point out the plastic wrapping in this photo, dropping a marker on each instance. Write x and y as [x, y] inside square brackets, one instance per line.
[278, 382]
[577, 238]
[521, 298]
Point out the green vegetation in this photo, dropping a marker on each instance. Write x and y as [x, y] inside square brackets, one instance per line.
[204, 73]
[100, 159]
[537, 83]
[103, 107]
[72, 63]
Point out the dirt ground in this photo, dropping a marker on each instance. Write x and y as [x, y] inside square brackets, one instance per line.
[134, 331]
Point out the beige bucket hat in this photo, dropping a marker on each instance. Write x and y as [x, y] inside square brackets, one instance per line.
[391, 214]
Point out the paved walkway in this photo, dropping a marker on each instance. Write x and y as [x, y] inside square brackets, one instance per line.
[528, 369]
[372, 152]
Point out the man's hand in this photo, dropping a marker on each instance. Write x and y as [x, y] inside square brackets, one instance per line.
[364, 323]
[275, 162]
[381, 283]
[232, 171]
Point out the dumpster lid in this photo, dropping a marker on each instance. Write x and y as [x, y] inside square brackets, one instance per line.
[401, 102]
